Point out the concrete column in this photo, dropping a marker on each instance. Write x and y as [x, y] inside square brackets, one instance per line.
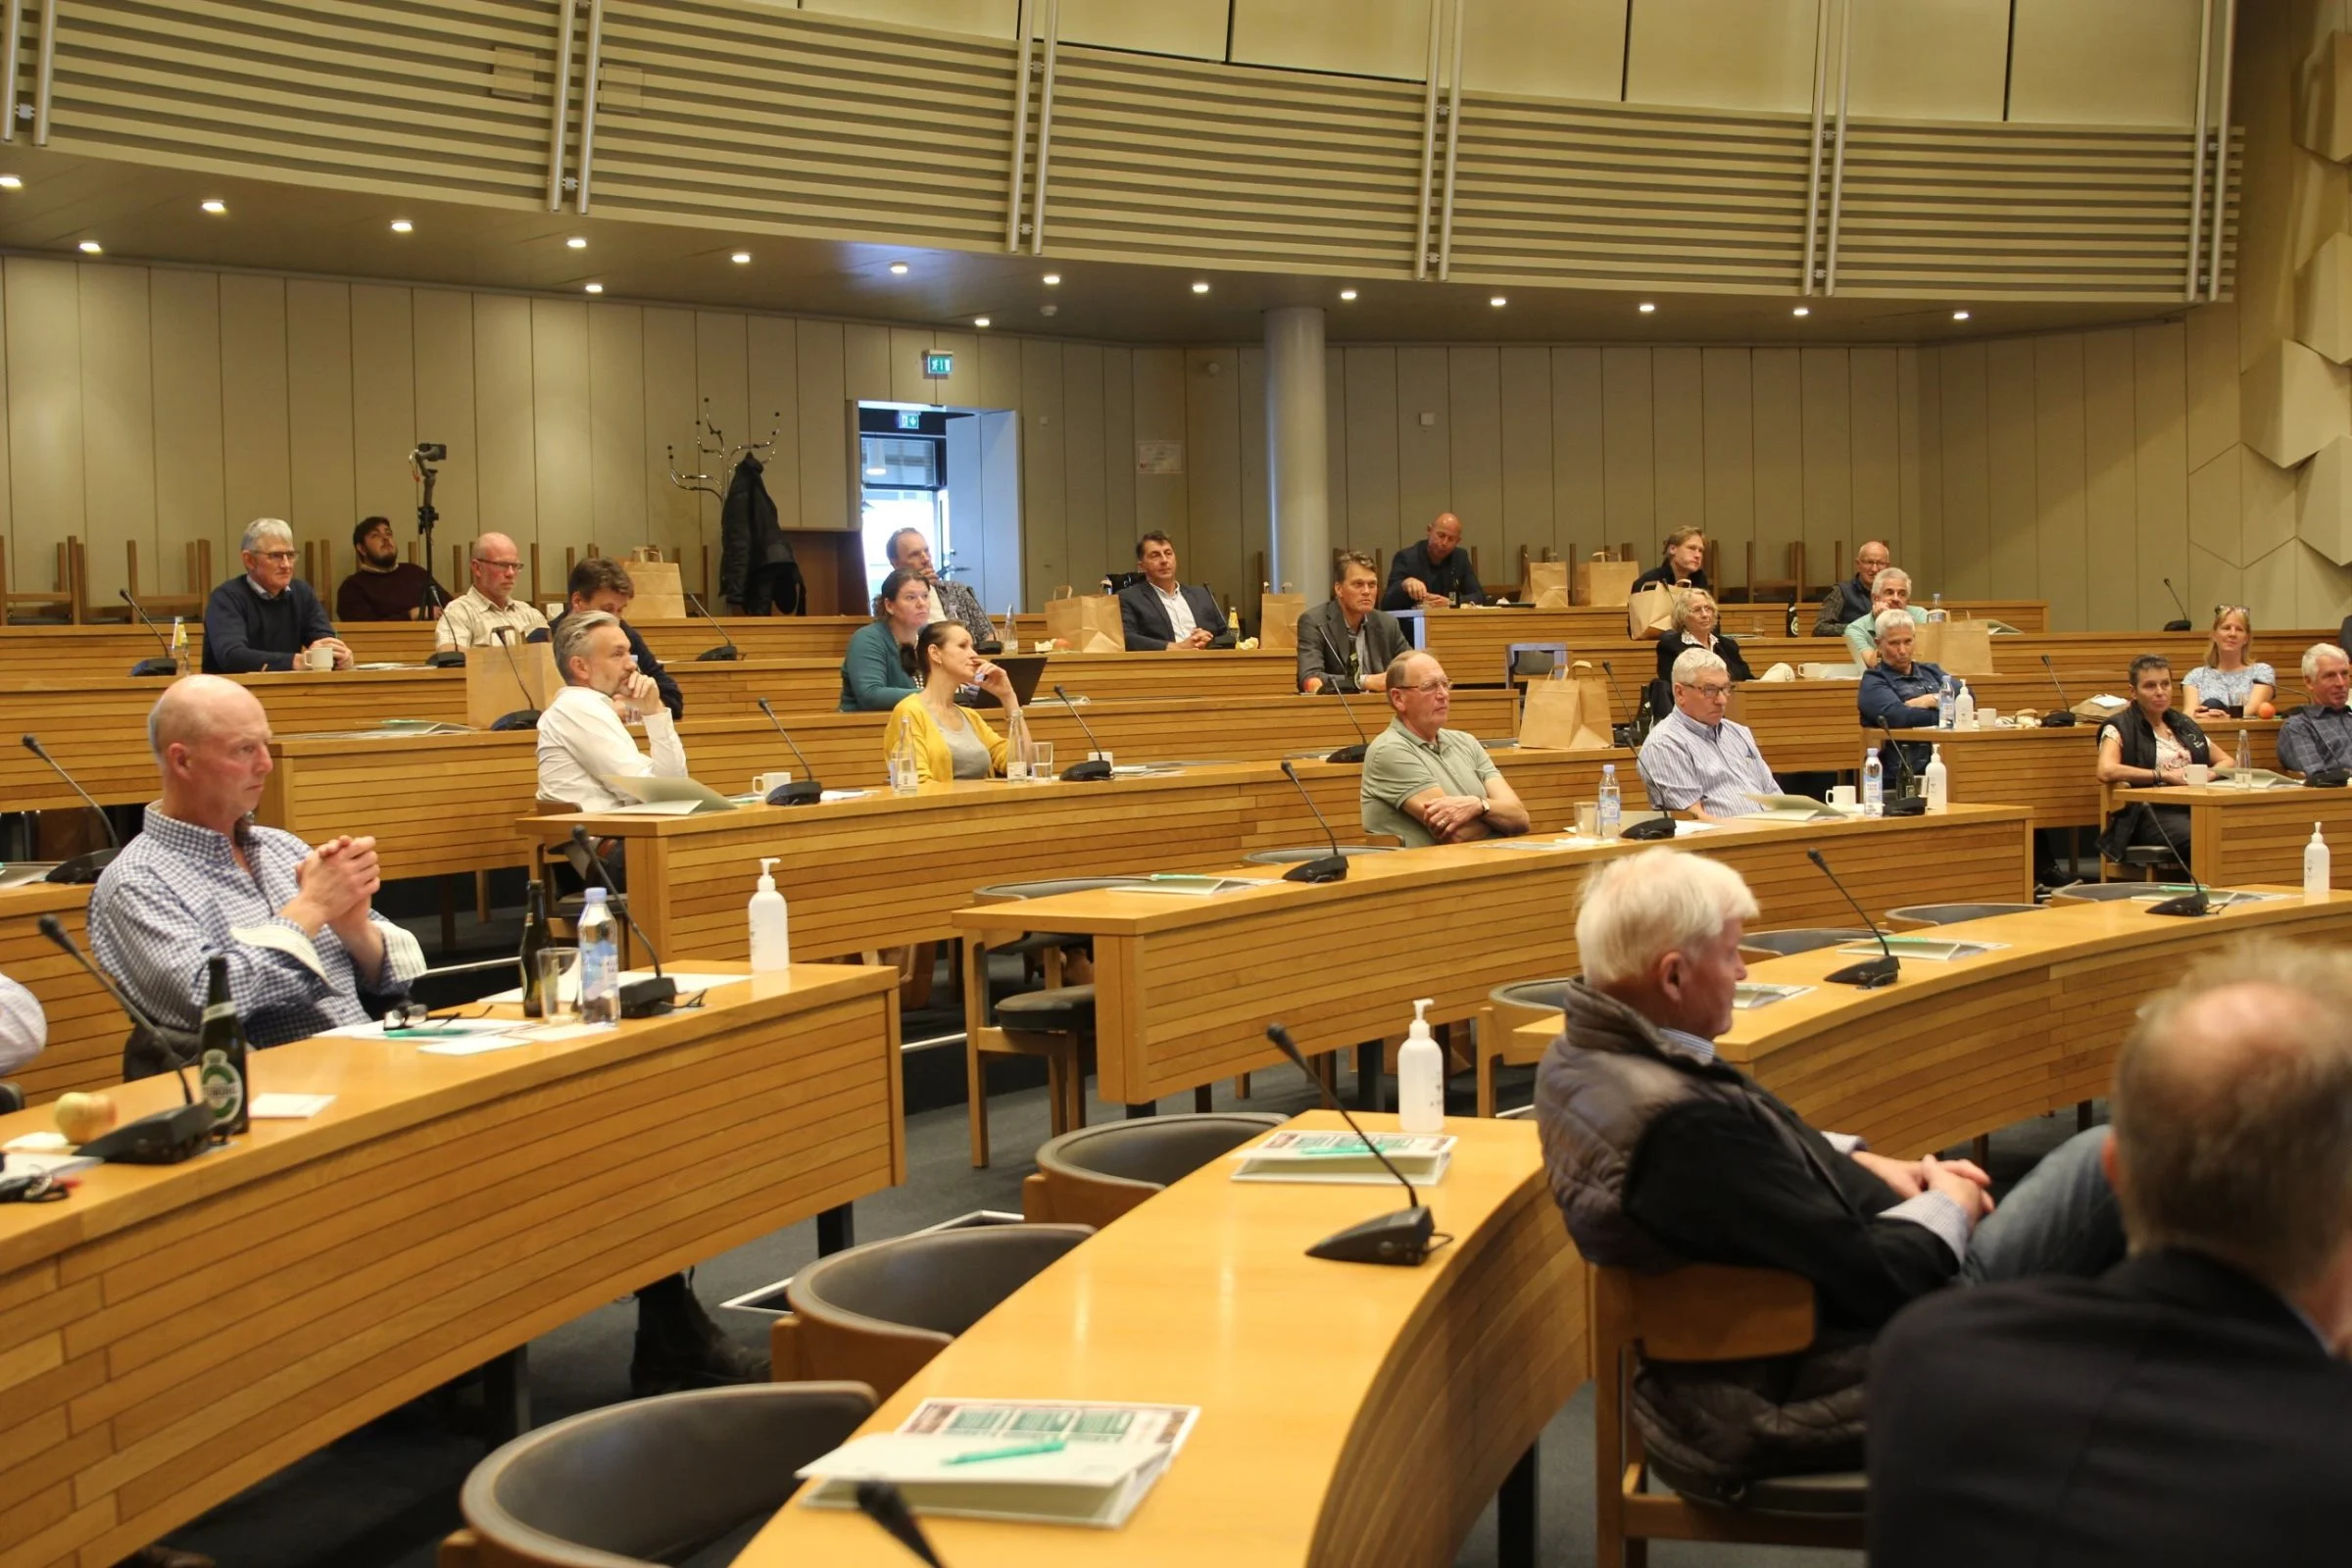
[1298, 453]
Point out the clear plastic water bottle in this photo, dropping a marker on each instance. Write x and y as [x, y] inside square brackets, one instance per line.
[1945, 702]
[2246, 762]
[1935, 610]
[1612, 810]
[600, 961]
[1874, 785]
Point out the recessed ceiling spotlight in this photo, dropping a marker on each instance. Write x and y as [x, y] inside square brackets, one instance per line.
[1959, 316]
[979, 320]
[898, 268]
[1052, 278]
[216, 207]
[596, 288]
[401, 225]
[1498, 302]
[1346, 293]
[577, 242]
[1645, 308]
[1802, 310]
[1199, 288]
[90, 247]
[12, 181]
[740, 257]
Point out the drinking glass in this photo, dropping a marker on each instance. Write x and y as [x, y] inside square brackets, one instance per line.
[1041, 760]
[559, 984]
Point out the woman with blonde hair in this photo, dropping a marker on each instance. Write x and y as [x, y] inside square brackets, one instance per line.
[2228, 684]
[1695, 620]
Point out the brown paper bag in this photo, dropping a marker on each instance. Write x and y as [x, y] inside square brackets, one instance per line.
[1568, 713]
[1603, 581]
[1956, 647]
[496, 686]
[1548, 585]
[1088, 623]
[1278, 621]
[1650, 614]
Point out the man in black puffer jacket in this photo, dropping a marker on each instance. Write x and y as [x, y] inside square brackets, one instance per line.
[1659, 1154]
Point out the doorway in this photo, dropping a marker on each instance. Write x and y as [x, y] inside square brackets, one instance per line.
[953, 475]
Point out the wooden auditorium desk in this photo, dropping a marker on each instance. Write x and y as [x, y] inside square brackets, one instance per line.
[85, 1029]
[2242, 836]
[884, 870]
[1805, 726]
[1184, 987]
[1349, 1415]
[440, 803]
[1953, 1049]
[170, 1336]
[2051, 772]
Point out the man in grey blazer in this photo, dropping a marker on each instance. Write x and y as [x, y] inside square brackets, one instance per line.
[1346, 645]
[1161, 615]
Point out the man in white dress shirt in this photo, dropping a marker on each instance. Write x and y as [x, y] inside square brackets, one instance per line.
[583, 735]
[475, 618]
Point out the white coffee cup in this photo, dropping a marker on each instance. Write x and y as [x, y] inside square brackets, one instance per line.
[1842, 795]
[2197, 773]
[319, 657]
[761, 783]
[1988, 718]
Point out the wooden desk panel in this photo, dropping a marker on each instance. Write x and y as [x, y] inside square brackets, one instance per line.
[1349, 1415]
[2086, 661]
[2050, 772]
[2247, 836]
[154, 1370]
[885, 870]
[86, 1030]
[1955, 1049]
[1185, 987]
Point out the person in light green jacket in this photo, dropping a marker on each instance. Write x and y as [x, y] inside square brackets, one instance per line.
[874, 673]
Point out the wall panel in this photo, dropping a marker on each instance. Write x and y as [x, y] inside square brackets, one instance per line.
[1776, 387]
[2161, 412]
[2110, 479]
[1546, 48]
[1424, 466]
[1524, 382]
[1729, 479]
[563, 444]
[184, 316]
[319, 441]
[1678, 436]
[1875, 453]
[1046, 557]
[1722, 54]
[2104, 62]
[1579, 461]
[1371, 525]
[2062, 563]
[1120, 478]
[1357, 37]
[1474, 466]
[676, 519]
[1827, 457]
[1629, 477]
[503, 426]
[619, 462]
[1086, 486]
[117, 425]
[1213, 552]
[444, 323]
[1930, 59]
[383, 406]
[2012, 566]
[825, 426]
[1967, 481]
[256, 463]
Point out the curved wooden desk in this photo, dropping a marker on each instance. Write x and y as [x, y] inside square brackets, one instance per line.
[1955, 1049]
[1350, 1415]
[2239, 836]
[170, 1336]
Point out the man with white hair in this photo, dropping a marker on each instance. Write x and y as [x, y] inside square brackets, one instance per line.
[488, 611]
[583, 735]
[1697, 760]
[307, 952]
[1899, 692]
[2193, 1404]
[2317, 738]
[268, 618]
[1660, 1154]
[1891, 589]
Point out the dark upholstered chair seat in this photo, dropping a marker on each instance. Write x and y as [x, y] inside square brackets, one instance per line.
[1066, 1010]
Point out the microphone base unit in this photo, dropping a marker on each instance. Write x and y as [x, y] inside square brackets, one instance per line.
[2186, 903]
[2064, 718]
[1348, 754]
[1907, 805]
[447, 659]
[648, 999]
[160, 1137]
[154, 666]
[800, 792]
[1400, 1240]
[520, 718]
[1869, 975]
[1322, 869]
[719, 656]
[2327, 778]
[2178, 625]
[81, 868]
[1093, 770]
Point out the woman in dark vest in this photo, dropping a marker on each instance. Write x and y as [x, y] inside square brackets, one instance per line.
[2152, 743]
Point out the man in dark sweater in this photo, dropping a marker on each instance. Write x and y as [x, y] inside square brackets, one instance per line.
[385, 587]
[603, 582]
[1435, 572]
[268, 619]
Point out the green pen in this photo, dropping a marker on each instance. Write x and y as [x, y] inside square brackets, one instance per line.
[1055, 1446]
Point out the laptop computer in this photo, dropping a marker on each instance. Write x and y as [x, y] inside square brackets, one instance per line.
[1024, 671]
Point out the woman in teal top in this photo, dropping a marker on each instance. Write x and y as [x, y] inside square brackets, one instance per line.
[874, 673]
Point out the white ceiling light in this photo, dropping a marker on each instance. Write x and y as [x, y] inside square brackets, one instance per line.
[740, 257]
[596, 288]
[1199, 288]
[979, 320]
[1052, 278]
[401, 225]
[216, 207]
[1346, 293]
[12, 181]
[1498, 302]
[1802, 310]
[1959, 316]
[898, 268]
[577, 242]
[1645, 308]
[90, 247]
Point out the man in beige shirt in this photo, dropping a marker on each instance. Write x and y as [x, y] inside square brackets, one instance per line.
[490, 607]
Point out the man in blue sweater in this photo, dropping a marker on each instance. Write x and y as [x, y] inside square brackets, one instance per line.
[268, 619]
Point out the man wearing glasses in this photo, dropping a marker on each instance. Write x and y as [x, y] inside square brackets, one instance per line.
[1427, 784]
[268, 618]
[489, 608]
[1697, 760]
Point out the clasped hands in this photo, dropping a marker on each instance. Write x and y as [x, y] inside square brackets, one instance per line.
[339, 882]
[1448, 814]
[1963, 1181]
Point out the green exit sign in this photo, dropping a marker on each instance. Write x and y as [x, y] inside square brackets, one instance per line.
[938, 366]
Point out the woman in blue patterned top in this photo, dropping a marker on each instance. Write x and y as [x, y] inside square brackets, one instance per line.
[2228, 685]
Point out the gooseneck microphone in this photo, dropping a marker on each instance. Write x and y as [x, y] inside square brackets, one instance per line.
[1338, 687]
[85, 867]
[166, 666]
[1871, 973]
[714, 655]
[639, 999]
[2182, 624]
[2063, 716]
[2182, 903]
[1636, 729]
[801, 791]
[1402, 1238]
[1332, 867]
[1907, 804]
[1093, 767]
[886, 1505]
[160, 1136]
[525, 717]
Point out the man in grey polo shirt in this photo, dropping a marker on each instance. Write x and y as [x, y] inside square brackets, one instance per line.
[1697, 760]
[1428, 784]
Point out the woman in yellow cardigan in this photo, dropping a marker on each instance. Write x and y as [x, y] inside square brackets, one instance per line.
[948, 741]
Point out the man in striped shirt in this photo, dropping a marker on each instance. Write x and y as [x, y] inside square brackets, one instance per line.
[1697, 760]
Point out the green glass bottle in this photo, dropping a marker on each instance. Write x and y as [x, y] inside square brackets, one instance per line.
[221, 1058]
[534, 942]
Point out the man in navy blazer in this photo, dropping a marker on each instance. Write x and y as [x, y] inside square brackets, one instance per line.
[1161, 613]
[2193, 1404]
